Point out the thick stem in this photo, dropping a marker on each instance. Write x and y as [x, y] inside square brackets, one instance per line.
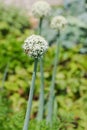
[29, 105]
[41, 97]
[40, 25]
[51, 95]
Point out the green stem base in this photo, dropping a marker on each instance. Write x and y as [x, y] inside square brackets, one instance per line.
[29, 105]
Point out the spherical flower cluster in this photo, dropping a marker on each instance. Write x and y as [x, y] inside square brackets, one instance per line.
[58, 22]
[35, 46]
[41, 9]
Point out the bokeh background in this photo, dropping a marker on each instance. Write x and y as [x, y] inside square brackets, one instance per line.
[16, 23]
[28, 3]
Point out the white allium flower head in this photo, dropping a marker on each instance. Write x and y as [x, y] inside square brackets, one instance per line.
[41, 9]
[35, 46]
[58, 22]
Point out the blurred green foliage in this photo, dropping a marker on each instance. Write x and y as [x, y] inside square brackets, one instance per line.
[71, 78]
[12, 19]
[11, 121]
[76, 13]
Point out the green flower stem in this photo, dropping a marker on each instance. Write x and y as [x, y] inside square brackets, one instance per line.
[29, 105]
[51, 96]
[41, 97]
[40, 25]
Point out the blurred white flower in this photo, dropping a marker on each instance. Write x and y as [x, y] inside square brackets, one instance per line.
[58, 22]
[41, 9]
[35, 46]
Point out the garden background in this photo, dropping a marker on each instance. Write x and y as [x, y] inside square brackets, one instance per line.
[16, 23]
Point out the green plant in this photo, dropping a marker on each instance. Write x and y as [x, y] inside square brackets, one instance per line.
[41, 97]
[41, 9]
[26, 122]
[35, 46]
[58, 23]
[51, 95]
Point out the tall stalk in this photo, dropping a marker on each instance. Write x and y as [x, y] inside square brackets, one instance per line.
[41, 96]
[51, 95]
[40, 26]
[29, 105]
